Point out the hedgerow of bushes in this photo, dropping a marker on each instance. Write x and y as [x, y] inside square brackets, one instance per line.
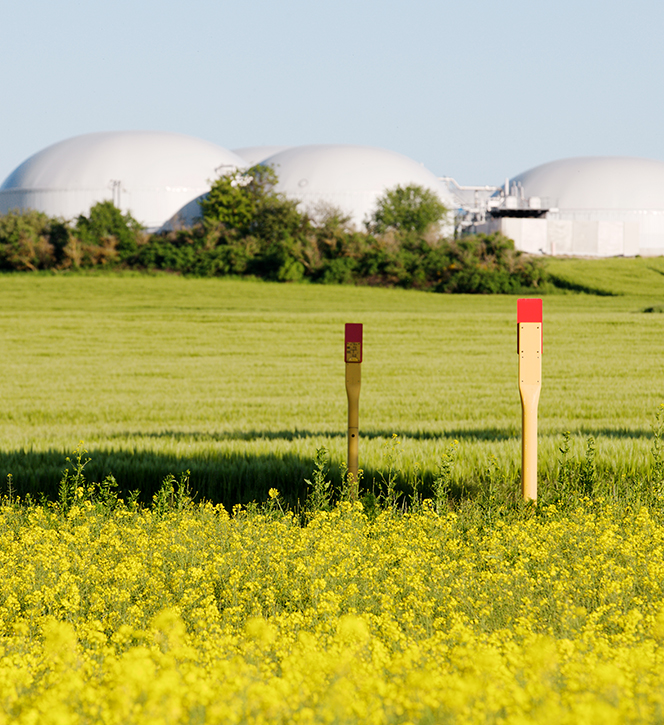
[247, 229]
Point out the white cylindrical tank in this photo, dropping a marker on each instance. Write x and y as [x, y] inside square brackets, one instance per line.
[150, 174]
[600, 206]
[350, 178]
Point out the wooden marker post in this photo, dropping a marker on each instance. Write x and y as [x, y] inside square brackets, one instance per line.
[529, 345]
[353, 358]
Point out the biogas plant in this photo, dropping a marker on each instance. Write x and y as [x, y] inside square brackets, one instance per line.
[588, 206]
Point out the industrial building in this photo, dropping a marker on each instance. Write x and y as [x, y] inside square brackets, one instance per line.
[349, 178]
[344, 177]
[150, 174]
[589, 206]
[159, 177]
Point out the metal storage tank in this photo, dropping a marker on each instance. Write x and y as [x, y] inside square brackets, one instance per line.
[591, 206]
[150, 174]
[350, 178]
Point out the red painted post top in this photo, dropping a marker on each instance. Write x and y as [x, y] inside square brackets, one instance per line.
[353, 346]
[529, 310]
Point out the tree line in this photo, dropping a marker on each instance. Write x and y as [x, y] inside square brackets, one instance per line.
[248, 229]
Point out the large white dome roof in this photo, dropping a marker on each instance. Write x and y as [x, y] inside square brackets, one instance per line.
[148, 173]
[592, 183]
[350, 178]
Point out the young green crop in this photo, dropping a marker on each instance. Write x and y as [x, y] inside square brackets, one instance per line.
[241, 382]
[639, 276]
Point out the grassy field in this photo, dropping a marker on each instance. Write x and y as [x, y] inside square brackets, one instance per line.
[613, 276]
[240, 381]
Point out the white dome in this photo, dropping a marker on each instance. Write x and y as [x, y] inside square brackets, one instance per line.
[151, 174]
[604, 182]
[255, 154]
[597, 206]
[350, 178]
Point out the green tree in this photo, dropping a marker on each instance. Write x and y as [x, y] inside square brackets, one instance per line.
[232, 201]
[409, 208]
[245, 202]
[244, 212]
[107, 226]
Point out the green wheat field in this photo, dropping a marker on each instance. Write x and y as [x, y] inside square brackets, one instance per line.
[240, 382]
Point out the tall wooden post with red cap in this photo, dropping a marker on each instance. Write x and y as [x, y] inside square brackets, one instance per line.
[353, 358]
[529, 346]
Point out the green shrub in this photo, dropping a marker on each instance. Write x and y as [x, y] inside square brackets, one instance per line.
[30, 240]
[485, 264]
[249, 229]
[340, 270]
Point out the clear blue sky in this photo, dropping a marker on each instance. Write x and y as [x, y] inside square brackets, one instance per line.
[477, 89]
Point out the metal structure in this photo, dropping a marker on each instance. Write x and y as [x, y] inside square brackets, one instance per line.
[476, 206]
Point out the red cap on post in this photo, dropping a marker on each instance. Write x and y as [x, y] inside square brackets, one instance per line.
[353, 346]
[529, 310]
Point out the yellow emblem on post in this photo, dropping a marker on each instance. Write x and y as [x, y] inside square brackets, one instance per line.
[353, 352]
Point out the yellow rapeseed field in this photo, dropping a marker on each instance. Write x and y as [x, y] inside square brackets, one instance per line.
[122, 614]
